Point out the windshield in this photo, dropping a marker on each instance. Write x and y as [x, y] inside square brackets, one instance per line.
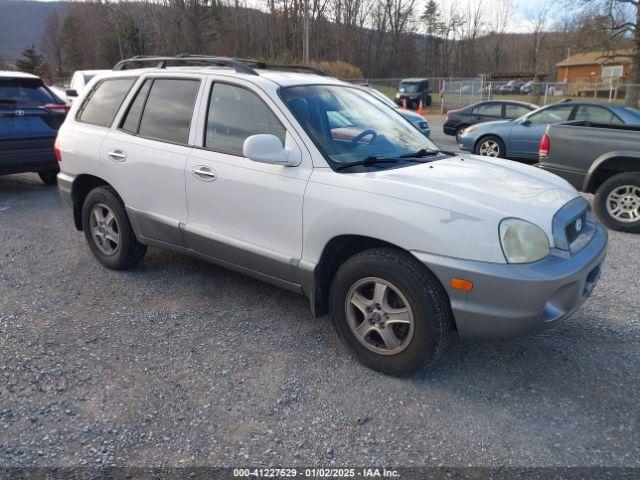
[347, 126]
[409, 87]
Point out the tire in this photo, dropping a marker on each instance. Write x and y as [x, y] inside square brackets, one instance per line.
[422, 339]
[49, 177]
[617, 202]
[493, 143]
[118, 254]
[459, 131]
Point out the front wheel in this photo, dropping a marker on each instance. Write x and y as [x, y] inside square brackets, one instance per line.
[390, 311]
[617, 202]
[108, 230]
[490, 147]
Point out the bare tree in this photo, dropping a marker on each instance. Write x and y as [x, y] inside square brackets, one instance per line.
[51, 41]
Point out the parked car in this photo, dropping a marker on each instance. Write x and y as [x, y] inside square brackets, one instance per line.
[457, 120]
[398, 240]
[512, 87]
[599, 158]
[60, 93]
[413, 91]
[30, 115]
[415, 119]
[527, 87]
[79, 81]
[519, 139]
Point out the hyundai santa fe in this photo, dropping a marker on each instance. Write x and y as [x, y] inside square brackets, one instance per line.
[242, 164]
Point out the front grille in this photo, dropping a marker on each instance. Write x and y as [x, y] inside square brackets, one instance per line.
[573, 226]
[576, 227]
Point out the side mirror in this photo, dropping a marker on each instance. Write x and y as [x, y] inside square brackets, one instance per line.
[525, 122]
[71, 92]
[266, 148]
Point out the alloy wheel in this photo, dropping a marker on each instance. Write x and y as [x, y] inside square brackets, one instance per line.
[379, 316]
[623, 203]
[105, 230]
[489, 148]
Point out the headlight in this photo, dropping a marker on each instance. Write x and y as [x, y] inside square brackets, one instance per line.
[522, 242]
[397, 95]
[469, 129]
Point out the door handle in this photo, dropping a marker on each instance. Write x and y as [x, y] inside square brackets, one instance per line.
[203, 173]
[117, 155]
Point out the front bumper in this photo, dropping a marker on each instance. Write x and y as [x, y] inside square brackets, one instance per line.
[510, 300]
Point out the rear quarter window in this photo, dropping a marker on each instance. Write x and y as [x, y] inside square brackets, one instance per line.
[104, 100]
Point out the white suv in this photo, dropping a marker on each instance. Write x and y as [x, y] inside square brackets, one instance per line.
[311, 184]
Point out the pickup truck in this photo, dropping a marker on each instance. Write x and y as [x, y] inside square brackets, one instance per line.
[603, 159]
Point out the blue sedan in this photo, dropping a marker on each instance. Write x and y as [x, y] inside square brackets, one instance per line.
[519, 139]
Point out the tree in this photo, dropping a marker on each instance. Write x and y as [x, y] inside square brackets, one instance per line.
[32, 62]
[433, 26]
[51, 41]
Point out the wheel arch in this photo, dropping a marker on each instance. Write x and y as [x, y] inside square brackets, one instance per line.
[608, 165]
[82, 185]
[335, 253]
[487, 135]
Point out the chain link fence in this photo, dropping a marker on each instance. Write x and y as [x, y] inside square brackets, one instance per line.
[448, 93]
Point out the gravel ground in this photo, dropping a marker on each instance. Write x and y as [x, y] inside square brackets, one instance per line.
[179, 362]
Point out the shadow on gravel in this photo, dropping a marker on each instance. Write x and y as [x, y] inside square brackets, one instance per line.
[23, 183]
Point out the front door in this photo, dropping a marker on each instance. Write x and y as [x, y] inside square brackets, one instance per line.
[242, 212]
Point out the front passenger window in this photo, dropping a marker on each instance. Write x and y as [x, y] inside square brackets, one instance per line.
[236, 113]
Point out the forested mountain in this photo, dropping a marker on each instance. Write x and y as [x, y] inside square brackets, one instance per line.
[21, 24]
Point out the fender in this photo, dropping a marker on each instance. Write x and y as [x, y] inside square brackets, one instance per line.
[598, 163]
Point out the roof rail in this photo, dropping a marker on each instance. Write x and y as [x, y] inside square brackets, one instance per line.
[240, 65]
[274, 66]
[161, 62]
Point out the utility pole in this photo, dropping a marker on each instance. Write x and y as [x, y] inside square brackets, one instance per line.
[307, 34]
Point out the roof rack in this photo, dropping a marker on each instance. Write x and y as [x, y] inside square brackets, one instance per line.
[161, 62]
[240, 65]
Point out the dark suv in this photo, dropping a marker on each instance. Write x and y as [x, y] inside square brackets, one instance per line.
[413, 90]
[30, 116]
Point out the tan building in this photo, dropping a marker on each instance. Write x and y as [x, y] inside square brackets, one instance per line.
[594, 67]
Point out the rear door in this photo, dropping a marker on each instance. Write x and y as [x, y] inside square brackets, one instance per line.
[29, 120]
[144, 156]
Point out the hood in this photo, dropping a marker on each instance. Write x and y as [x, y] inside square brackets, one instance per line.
[495, 123]
[411, 116]
[480, 187]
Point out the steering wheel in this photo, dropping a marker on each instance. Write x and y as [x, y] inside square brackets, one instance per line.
[354, 142]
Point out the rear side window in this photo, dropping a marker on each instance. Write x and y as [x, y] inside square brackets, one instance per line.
[236, 113]
[593, 114]
[168, 110]
[24, 92]
[102, 103]
[515, 111]
[489, 109]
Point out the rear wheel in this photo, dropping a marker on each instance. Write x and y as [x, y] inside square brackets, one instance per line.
[617, 202]
[49, 177]
[390, 311]
[459, 132]
[108, 230]
[490, 146]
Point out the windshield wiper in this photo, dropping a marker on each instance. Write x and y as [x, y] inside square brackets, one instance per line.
[367, 162]
[423, 152]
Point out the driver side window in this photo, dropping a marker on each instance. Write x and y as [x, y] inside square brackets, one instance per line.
[235, 114]
[555, 114]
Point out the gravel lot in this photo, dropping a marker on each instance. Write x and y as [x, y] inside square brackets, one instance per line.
[178, 362]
